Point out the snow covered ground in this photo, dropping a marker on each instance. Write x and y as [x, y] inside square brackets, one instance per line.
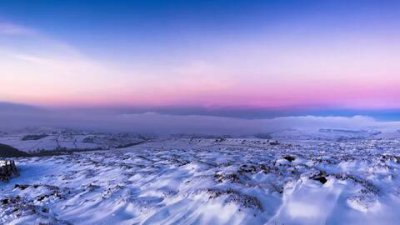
[350, 179]
[44, 140]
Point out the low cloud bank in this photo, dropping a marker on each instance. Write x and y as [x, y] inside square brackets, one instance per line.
[18, 117]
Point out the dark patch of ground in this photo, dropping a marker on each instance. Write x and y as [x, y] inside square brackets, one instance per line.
[34, 137]
[8, 151]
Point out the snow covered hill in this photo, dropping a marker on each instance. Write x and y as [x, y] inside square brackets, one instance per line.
[210, 181]
[45, 140]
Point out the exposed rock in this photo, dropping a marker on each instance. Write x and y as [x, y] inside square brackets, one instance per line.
[7, 170]
[247, 169]
[289, 158]
[273, 142]
[321, 177]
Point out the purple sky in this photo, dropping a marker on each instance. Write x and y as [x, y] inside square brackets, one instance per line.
[201, 54]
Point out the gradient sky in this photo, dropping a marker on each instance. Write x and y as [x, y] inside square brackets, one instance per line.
[244, 54]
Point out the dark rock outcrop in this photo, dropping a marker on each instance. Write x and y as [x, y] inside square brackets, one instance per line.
[7, 170]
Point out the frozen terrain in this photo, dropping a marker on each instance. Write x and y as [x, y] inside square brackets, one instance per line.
[336, 177]
[45, 140]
